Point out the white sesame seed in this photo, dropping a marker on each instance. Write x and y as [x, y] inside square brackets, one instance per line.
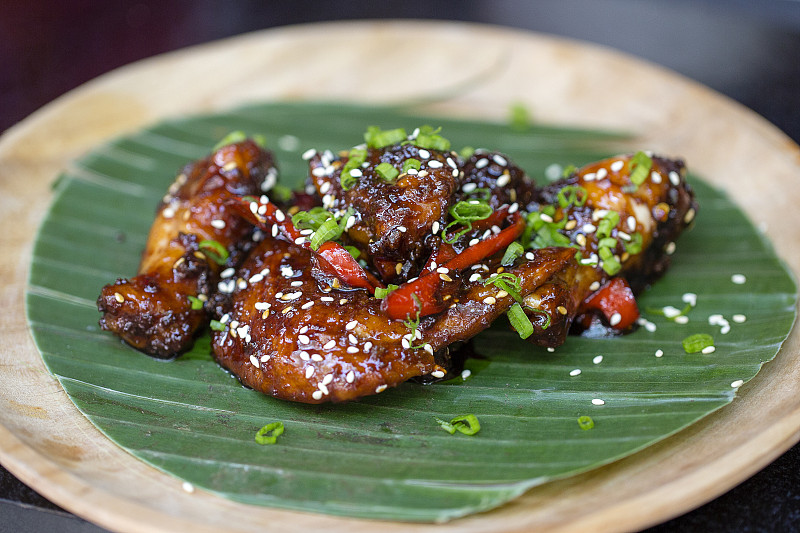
[330, 344]
[218, 223]
[546, 218]
[616, 166]
[590, 176]
[352, 349]
[597, 359]
[326, 299]
[188, 487]
[317, 394]
[306, 232]
[466, 373]
[296, 284]
[300, 240]
[323, 388]
[435, 227]
[513, 208]
[475, 277]
[674, 178]
[435, 164]
[659, 353]
[451, 163]
[352, 339]
[683, 319]
[405, 344]
[228, 272]
[594, 286]
[529, 256]
[327, 379]
[351, 325]
[316, 357]
[308, 154]
[274, 230]
[380, 388]
[736, 384]
[481, 163]
[355, 173]
[631, 221]
[428, 348]
[367, 346]
[254, 361]
[602, 173]
[119, 297]
[598, 401]
[739, 318]
[689, 298]
[350, 377]
[615, 319]
[490, 300]
[437, 374]
[309, 371]
[168, 212]
[503, 180]
[589, 228]
[402, 229]
[550, 349]
[266, 357]
[500, 160]
[739, 279]
[576, 372]
[255, 278]
[473, 242]
[318, 172]
[708, 350]
[424, 154]
[307, 305]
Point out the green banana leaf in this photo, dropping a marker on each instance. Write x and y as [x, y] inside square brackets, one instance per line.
[386, 456]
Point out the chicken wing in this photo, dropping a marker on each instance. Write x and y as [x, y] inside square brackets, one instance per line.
[194, 236]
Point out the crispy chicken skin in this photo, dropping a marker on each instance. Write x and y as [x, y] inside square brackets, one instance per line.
[152, 311]
[292, 337]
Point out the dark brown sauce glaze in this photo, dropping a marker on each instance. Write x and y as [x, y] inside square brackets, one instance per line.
[152, 311]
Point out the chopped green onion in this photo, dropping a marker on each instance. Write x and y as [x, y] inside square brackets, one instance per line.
[481, 193]
[465, 213]
[216, 325]
[520, 321]
[610, 263]
[585, 422]
[352, 250]
[311, 219]
[430, 138]
[568, 171]
[608, 242]
[547, 318]
[410, 163]
[514, 251]
[269, 434]
[608, 223]
[519, 117]
[196, 302]
[355, 158]
[231, 138]
[466, 424]
[466, 152]
[328, 231]
[378, 138]
[697, 342]
[506, 281]
[572, 195]
[281, 193]
[447, 426]
[381, 293]
[387, 171]
[634, 246]
[640, 165]
[214, 250]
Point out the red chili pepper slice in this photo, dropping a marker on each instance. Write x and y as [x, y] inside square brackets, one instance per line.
[420, 295]
[614, 297]
[334, 258]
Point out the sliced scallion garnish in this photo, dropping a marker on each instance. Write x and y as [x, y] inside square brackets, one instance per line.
[378, 138]
[429, 138]
[466, 424]
[640, 165]
[514, 251]
[410, 163]
[269, 434]
[387, 171]
[697, 342]
[381, 293]
[520, 321]
[214, 250]
[231, 138]
[506, 281]
[585, 422]
[465, 213]
[196, 302]
[572, 195]
[216, 325]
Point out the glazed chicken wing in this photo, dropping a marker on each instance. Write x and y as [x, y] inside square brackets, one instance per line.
[159, 310]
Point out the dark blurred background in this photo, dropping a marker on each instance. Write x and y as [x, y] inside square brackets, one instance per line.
[748, 50]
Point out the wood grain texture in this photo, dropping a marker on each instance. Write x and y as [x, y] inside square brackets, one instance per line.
[475, 71]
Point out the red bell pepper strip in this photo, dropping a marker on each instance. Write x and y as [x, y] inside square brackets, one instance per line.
[333, 257]
[418, 297]
[615, 297]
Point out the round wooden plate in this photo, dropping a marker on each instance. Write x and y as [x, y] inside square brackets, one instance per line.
[467, 70]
